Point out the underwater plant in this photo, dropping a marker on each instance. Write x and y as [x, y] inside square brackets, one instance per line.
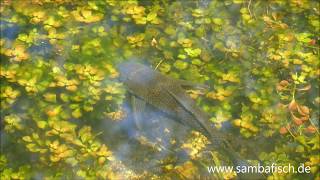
[64, 107]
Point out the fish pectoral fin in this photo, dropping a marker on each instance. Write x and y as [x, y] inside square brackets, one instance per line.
[180, 96]
[138, 108]
[188, 103]
[189, 84]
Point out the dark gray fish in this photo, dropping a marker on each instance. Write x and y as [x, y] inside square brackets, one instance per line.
[164, 93]
[168, 95]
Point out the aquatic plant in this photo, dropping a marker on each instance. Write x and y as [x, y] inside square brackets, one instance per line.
[59, 80]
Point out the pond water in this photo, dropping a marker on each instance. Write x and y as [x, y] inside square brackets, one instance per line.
[67, 112]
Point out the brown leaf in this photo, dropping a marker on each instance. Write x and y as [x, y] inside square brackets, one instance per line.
[311, 129]
[283, 130]
[279, 87]
[292, 105]
[281, 106]
[305, 118]
[284, 83]
[303, 110]
[296, 120]
[313, 42]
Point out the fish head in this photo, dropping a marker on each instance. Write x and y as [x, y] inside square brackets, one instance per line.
[128, 69]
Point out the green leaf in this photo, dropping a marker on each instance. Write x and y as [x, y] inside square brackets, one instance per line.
[180, 65]
[303, 37]
[72, 161]
[217, 21]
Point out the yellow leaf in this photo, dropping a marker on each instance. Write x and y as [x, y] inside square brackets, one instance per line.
[41, 124]
[54, 158]
[77, 113]
[27, 138]
[101, 160]
[50, 97]
[54, 112]
[151, 16]
[72, 88]
[86, 15]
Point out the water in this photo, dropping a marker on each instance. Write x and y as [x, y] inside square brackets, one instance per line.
[63, 105]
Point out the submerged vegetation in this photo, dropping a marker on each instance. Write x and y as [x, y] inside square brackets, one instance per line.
[59, 81]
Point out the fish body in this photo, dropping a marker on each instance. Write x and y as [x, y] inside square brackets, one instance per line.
[168, 95]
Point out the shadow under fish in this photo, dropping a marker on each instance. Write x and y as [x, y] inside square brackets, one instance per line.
[147, 86]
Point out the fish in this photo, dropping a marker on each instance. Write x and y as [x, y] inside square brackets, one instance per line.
[168, 94]
[164, 93]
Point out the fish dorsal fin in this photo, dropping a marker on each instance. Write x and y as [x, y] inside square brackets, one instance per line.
[193, 85]
[203, 118]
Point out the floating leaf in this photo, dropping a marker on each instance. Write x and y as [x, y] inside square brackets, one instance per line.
[86, 15]
[27, 138]
[41, 124]
[50, 97]
[193, 52]
[180, 65]
[76, 113]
